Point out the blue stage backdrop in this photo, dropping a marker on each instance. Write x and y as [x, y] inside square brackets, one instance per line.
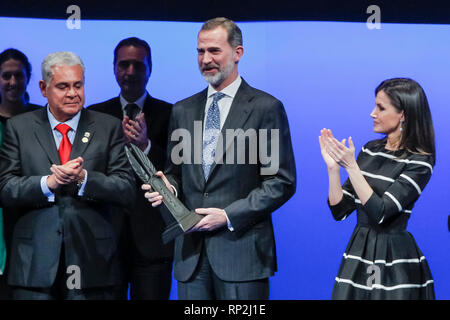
[325, 73]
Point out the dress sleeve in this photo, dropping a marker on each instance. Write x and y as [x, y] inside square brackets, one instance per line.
[403, 192]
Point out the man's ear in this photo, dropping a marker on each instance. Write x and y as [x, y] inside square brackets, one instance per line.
[43, 87]
[239, 51]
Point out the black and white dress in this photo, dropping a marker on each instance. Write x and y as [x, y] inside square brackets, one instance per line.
[382, 259]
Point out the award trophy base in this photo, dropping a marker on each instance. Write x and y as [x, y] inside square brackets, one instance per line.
[180, 219]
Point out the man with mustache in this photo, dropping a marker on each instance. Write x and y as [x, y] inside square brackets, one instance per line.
[145, 121]
[60, 166]
[230, 253]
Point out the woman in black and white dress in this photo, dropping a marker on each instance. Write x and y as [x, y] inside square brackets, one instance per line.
[382, 259]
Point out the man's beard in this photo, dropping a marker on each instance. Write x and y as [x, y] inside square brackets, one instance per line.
[221, 75]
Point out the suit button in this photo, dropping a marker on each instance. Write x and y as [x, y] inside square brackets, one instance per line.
[205, 194]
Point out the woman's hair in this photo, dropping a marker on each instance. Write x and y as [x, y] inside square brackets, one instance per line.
[19, 56]
[417, 131]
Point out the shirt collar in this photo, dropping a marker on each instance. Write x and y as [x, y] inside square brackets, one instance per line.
[72, 123]
[230, 90]
[139, 102]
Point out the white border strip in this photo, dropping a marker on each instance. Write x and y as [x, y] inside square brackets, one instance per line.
[359, 201]
[376, 176]
[399, 206]
[387, 264]
[348, 193]
[379, 286]
[412, 182]
[382, 154]
[352, 196]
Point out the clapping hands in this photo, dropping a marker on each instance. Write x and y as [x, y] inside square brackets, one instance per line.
[135, 131]
[336, 154]
[71, 171]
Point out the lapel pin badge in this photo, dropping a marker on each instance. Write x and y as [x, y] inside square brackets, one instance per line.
[87, 134]
[84, 140]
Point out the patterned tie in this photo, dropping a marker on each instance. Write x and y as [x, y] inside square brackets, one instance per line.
[65, 146]
[211, 134]
[131, 110]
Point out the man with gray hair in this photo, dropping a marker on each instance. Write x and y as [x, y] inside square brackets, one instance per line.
[59, 166]
[230, 253]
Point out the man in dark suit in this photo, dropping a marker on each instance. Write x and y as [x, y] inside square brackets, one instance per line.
[145, 121]
[230, 253]
[62, 167]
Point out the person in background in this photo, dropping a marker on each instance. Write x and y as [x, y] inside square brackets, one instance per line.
[382, 259]
[15, 73]
[145, 120]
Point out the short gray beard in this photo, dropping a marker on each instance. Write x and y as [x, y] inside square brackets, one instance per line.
[220, 76]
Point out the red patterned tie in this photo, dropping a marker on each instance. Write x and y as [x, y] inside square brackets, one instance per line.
[65, 146]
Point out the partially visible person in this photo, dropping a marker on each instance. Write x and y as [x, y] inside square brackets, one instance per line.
[15, 73]
[4, 290]
[145, 120]
[61, 167]
[382, 259]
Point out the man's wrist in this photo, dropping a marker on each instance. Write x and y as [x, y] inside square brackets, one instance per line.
[51, 182]
[144, 146]
[81, 178]
[229, 226]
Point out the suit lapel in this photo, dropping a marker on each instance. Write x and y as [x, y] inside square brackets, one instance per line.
[196, 116]
[240, 110]
[84, 135]
[116, 109]
[147, 108]
[45, 137]
[199, 109]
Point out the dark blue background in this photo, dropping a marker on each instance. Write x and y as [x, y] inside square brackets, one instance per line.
[325, 73]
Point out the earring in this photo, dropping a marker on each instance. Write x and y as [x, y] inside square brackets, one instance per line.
[401, 125]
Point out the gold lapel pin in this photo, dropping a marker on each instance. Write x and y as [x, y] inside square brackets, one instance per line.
[87, 134]
[84, 140]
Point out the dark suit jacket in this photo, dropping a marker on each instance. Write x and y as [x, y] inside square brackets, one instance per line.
[10, 215]
[85, 225]
[146, 222]
[247, 196]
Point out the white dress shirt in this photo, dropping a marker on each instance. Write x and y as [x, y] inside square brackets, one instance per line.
[224, 108]
[225, 102]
